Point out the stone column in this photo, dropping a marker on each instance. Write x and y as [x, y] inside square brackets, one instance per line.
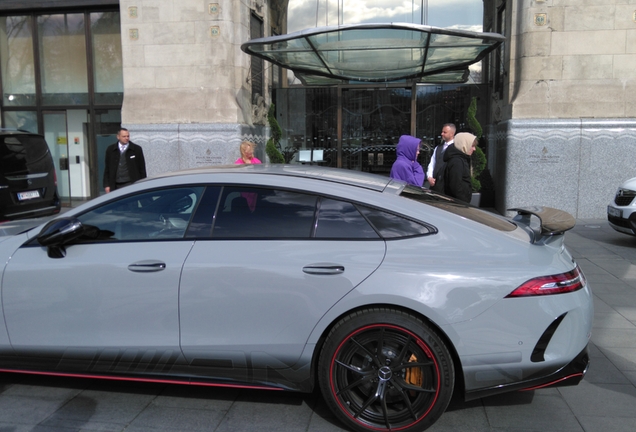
[565, 126]
[187, 95]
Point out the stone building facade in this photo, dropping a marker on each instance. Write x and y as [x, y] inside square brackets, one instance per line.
[562, 128]
[560, 116]
[189, 94]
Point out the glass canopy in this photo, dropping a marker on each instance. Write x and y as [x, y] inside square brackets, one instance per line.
[376, 53]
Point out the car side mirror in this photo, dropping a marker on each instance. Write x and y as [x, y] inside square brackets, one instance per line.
[58, 233]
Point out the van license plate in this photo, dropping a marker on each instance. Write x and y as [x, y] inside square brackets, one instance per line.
[614, 212]
[28, 195]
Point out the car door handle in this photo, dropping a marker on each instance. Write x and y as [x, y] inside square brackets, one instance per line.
[324, 269]
[147, 266]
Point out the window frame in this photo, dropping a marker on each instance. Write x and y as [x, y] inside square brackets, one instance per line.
[430, 228]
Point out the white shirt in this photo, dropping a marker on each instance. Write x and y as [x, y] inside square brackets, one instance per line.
[431, 164]
[123, 147]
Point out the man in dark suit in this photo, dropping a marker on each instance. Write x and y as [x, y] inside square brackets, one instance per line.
[125, 163]
[435, 171]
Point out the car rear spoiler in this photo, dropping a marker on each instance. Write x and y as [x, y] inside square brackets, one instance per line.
[552, 222]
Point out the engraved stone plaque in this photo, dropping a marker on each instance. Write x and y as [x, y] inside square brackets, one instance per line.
[540, 19]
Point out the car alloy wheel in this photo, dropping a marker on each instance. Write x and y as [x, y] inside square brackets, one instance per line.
[385, 370]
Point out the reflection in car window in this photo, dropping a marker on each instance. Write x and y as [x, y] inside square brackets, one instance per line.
[391, 226]
[460, 208]
[23, 154]
[340, 219]
[201, 224]
[246, 212]
[157, 215]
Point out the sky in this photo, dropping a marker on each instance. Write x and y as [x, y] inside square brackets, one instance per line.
[462, 14]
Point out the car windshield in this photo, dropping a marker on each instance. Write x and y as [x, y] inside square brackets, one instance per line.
[459, 208]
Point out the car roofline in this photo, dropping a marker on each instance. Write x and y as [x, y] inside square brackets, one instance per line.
[335, 175]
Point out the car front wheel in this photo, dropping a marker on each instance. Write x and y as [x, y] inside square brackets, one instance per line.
[385, 370]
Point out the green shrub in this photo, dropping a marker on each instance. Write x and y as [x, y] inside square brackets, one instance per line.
[472, 120]
[478, 159]
[273, 143]
[478, 162]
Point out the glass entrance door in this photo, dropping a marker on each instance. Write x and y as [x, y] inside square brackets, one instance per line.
[107, 123]
[373, 119]
[65, 132]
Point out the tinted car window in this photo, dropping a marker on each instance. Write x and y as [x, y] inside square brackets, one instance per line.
[392, 226]
[27, 176]
[264, 213]
[156, 215]
[23, 154]
[340, 219]
[457, 207]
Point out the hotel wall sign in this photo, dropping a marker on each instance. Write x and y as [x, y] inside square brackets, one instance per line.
[540, 19]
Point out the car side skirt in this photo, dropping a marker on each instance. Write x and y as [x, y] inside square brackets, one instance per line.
[166, 368]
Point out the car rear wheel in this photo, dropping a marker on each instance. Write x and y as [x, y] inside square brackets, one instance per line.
[385, 370]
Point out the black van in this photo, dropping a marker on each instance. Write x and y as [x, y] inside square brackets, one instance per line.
[28, 185]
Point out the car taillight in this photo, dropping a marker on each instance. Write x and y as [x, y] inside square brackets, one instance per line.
[55, 177]
[555, 284]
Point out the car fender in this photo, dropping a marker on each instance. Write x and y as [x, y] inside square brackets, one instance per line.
[8, 246]
[438, 292]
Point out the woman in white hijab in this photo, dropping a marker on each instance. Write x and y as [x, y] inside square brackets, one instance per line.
[457, 172]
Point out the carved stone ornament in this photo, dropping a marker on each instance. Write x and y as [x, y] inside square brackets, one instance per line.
[259, 110]
[258, 6]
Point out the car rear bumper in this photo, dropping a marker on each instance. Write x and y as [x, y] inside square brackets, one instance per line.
[568, 375]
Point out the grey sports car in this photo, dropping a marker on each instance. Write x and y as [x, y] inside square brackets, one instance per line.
[387, 297]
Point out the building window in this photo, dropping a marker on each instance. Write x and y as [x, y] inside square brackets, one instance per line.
[62, 42]
[499, 64]
[276, 71]
[256, 69]
[16, 54]
[24, 120]
[107, 58]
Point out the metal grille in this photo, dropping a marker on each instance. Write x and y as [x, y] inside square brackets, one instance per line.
[620, 222]
[625, 198]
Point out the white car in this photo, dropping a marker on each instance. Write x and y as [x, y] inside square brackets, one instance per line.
[621, 213]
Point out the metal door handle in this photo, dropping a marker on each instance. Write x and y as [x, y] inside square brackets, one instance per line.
[324, 269]
[147, 266]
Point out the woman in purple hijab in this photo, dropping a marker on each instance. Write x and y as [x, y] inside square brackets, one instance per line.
[406, 167]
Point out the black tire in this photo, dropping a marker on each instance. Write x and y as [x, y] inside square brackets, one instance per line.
[385, 370]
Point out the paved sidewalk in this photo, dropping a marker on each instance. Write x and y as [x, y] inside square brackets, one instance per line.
[604, 402]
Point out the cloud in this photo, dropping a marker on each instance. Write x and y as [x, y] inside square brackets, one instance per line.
[442, 13]
[472, 28]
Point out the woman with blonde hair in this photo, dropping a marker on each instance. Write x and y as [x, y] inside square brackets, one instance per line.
[247, 154]
[457, 172]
